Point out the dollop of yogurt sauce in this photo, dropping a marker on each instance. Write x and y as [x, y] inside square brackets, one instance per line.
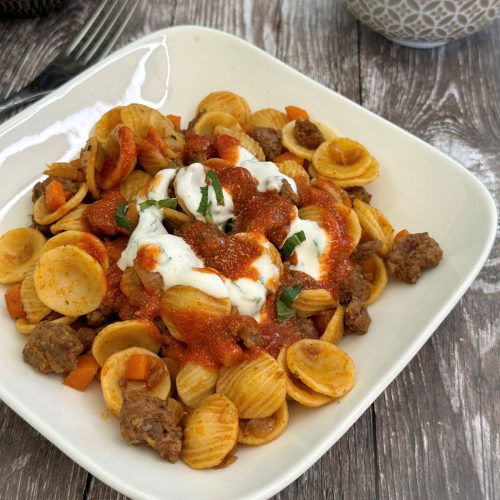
[179, 265]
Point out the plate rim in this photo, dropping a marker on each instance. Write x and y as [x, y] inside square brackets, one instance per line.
[411, 350]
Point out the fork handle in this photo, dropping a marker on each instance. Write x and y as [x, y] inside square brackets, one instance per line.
[24, 96]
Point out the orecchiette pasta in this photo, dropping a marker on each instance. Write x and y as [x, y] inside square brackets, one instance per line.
[209, 286]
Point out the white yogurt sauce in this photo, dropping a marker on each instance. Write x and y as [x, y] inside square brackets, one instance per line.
[309, 253]
[179, 265]
[188, 184]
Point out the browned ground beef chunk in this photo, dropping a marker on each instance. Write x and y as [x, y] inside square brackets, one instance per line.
[198, 148]
[71, 187]
[145, 419]
[269, 140]
[307, 134]
[250, 336]
[98, 317]
[307, 328]
[411, 254]
[356, 318]
[288, 193]
[52, 347]
[359, 193]
[365, 251]
[86, 336]
[356, 285]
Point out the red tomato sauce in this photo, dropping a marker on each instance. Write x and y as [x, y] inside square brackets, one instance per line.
[101, 215]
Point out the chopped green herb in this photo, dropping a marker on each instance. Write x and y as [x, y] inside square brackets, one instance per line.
[290, 294]
[202, 208]
[289, 246]
[208, 213]
[228, 226]
[146, 204]
[283, 311]
[167, 203]
[121, 219]
[214, 178]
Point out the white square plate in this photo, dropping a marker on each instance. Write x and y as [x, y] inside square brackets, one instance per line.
[419, 189]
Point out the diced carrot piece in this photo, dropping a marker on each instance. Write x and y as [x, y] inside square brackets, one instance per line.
[176, 121]
[288, 156]
[55, 196]
[295, 113]
[138, 367]
[14, 302]
[401, 234]
[83, 374]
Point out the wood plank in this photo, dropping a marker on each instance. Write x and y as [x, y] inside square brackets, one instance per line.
[437, 424]
[31, 467]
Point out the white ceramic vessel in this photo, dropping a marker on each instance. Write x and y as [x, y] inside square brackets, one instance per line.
[172, 70]
[425, 23]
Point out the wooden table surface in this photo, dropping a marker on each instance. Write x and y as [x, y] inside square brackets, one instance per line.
[434, 433]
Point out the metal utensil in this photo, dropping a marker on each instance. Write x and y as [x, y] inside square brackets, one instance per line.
[92, 42]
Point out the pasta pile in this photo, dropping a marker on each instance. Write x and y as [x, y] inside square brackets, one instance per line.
[205, 275]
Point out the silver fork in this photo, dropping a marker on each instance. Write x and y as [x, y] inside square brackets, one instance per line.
[92, 42]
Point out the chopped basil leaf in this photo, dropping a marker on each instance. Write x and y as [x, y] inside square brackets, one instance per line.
[146, 204]
[214, 178]
[202, 208]
[289, 246]
[121, 218]
[208, 213]
[290, 294]
[228, 226]
[167, 203]
[283, 311]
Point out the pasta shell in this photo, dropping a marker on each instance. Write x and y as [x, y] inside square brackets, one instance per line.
[294, 170]
[289, 141]
[186, 299]
[352, 223]
[310, 302]
[338, 194]
[42, 215]
[369, 175]
[141, 118]
[92, 161]
[194, 382]
[66, 170]
[153, 161]
[298, 391]
[123, 334]
[257, 431]
[257, 387]
[131, 186]
[72, 221]
[311, 212]
[269, 117]
[322, 366]
[69, 281]
[375, 225]
[19, 250]
[24, 326]
[175, 218]
[35, 309]
[83, 240]
[245, 141]
[210, 432]
[207, 122]
[329, 162]
[107, 123]
[112, 375]
[227, 102]
[120, 158]
[379, 281]
[335, 329]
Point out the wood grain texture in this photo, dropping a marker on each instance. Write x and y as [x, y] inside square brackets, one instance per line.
[434, 433]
